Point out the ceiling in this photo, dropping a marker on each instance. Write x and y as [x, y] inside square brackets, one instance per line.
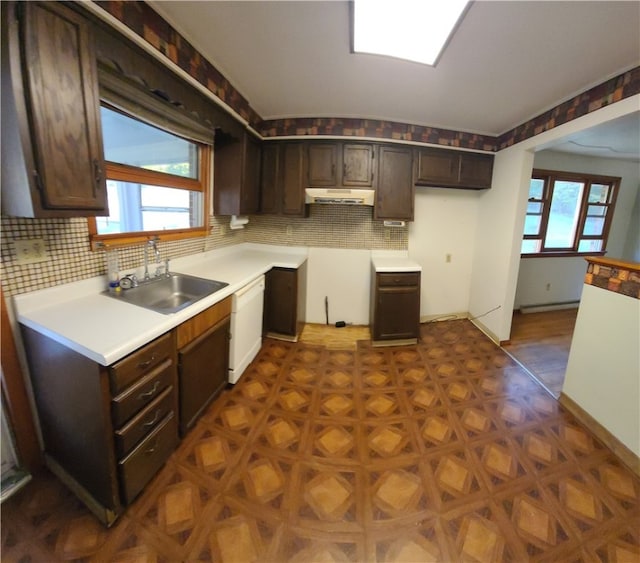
[507, 62]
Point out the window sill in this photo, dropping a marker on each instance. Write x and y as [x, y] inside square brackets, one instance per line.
[564, 254]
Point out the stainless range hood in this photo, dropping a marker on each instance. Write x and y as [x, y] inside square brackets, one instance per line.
[339, 196]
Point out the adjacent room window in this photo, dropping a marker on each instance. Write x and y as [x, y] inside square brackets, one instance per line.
[568, 213]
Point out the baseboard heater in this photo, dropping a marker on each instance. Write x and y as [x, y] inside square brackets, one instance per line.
[543, 307]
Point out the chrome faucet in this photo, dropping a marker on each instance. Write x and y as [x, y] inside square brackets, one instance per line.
[153, 243]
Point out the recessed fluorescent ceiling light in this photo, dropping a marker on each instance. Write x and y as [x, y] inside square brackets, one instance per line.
[415, 30]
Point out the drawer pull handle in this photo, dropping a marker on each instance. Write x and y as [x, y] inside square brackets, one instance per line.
[156, 416]
[151, 391]
[153, 448]
[143, 365]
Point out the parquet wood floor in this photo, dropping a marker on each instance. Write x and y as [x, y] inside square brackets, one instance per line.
[442, 451]
[541, 342]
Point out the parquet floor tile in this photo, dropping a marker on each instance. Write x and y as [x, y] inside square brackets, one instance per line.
[446, 450]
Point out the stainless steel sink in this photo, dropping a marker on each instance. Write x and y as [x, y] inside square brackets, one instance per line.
[169, 294]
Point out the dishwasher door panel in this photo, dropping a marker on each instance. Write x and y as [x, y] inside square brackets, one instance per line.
[246, 328]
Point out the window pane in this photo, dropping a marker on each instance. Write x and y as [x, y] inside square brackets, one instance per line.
[164, 220]
[532, 224]
[536, 188]
[598, 193]
[132, 142]
[155, 196]
[138, 208]
[590, 246]
[534, 207]
[593, 226]
[530, 246]
[564, 213]
[596, 211]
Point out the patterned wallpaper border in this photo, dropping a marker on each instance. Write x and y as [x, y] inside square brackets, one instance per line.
[614, 275]
[153, 28]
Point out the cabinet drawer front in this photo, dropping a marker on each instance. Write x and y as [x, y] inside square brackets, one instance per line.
[134, 366]
[127, 404]
[145, 421]
[139, 467]
[412, 278]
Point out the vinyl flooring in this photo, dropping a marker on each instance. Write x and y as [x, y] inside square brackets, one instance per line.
[442, 451]
[541, 342]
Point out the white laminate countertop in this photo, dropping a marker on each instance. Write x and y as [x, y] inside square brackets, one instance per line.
[393, 261]
[105, 330]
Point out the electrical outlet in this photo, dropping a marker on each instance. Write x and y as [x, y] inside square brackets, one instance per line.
[223, 230]
[387, 234]
[30, 251]
[289, 230]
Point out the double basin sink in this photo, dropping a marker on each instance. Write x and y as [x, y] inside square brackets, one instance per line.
[169, 294]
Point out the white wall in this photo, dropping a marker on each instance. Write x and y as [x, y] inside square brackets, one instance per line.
[445, 224]
[344, 276]
[563, 276]
[501, 212]
[603, 372]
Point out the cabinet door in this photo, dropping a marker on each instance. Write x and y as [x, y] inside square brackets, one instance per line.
[280, 301]
[357, 165]
[397, 313]
[270, 178]
[438, 166]
[293, 180]
[203, 371]
[250, 187]
[476, 170]
[395, 188]
[61, 85]
[322, 164]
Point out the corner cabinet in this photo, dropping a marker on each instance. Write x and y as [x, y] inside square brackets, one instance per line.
[52, 155]
[454, 169]
[395, 308]
[236, 170]
[106, 430]
[285, 302]
[395, 188]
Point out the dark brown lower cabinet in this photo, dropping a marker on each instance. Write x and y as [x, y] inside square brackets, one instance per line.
[106, 430]
[203, 367]
[284, 302]
[395, 306]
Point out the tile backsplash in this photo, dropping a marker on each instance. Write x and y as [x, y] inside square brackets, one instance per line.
[70, 258]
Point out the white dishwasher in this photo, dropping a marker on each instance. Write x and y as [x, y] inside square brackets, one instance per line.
[246, 327]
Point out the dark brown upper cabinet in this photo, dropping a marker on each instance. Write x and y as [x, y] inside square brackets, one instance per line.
[395, 190]
[236, 185]
[454, 169]
[340, 164]
[282, 179]
[52, 155]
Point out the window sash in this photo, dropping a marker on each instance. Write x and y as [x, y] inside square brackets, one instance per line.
[586, 207]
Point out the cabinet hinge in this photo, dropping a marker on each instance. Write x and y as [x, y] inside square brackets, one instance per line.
[38, 180]
[19, 11]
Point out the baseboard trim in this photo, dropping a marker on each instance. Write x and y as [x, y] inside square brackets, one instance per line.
[626, 456]
[544, 307]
